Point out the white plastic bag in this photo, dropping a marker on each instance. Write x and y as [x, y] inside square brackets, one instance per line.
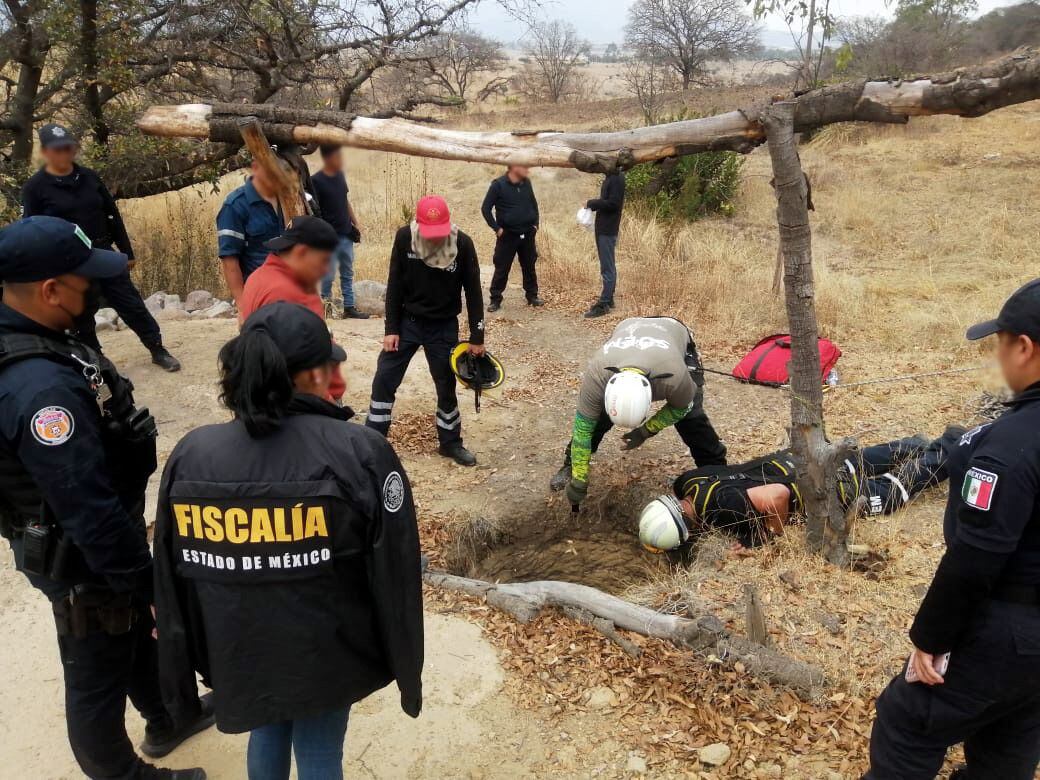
[586, 218]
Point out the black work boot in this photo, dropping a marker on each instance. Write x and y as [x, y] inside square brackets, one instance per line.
[162, 358]
[149, 772]
[535, 301]
[458, 453]
[494, 306]
[598, 309]
[161, 739]
[352, 313]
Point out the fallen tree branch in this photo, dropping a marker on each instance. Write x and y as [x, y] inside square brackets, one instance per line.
[706, 634]
[965, 92]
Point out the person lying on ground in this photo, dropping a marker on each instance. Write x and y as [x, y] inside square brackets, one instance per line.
[755, 501]
[431, 265]
[287, 555]
[646, 359]
[300, 258]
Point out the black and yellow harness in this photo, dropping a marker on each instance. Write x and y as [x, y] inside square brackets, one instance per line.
[778, 468]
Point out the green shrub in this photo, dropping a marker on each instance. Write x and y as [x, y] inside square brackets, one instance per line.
[698, 186]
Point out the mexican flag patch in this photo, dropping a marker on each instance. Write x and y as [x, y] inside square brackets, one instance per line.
[978, 489]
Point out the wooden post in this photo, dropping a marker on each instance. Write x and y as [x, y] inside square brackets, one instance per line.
[290, 197]
[817, 460]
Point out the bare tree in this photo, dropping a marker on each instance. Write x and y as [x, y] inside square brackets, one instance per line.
[649, 82]
[688, 34]
[457, 62]
[554, 53]
[92, 63]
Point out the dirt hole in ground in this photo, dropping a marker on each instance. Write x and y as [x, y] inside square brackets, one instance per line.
[598, 546]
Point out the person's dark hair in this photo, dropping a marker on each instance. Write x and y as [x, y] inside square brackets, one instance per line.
[328, 149]
[255, 382]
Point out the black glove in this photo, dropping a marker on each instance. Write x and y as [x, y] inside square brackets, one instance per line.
[636, 437]
[577, 491]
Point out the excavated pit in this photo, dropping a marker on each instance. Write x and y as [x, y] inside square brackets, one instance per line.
[598, 546]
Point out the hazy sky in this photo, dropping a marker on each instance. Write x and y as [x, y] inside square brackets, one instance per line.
[600, 21]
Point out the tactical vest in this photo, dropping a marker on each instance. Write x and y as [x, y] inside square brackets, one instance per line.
[127, 433]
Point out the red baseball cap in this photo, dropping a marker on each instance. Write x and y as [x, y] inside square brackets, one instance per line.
[433, 217]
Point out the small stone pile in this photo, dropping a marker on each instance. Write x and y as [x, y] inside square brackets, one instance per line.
[199, 304]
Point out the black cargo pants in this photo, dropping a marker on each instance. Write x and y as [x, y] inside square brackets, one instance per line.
[508, 247]
[121, 294]
[101, 671]
[990, 701]
[437, 338]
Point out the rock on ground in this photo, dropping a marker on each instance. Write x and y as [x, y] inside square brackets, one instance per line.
[218, 309]
[636, 764]
[601, 698]
[198, 300]
[370, 296]
[715, 755]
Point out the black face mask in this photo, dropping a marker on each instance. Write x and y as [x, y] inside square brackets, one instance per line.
[91, 304]
[92, 300]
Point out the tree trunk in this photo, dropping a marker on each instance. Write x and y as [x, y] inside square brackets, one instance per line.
[287, 182]
[89, 57]
[817, 460]
[704, 633]
[965, 92]
[807, 69]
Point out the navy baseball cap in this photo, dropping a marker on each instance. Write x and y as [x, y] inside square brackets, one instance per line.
[1019, 315]
[53, 136]
[309, 231]
[38, 248]
[300, 335]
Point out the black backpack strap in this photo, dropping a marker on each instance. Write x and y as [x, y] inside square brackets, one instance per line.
[753, 374]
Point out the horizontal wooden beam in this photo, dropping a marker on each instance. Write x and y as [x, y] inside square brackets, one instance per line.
[965, 92]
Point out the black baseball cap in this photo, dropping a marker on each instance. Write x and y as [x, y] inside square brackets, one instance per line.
[309, 231]
[300, 334]
[1019, 315]
[53, 136]
[38, 248]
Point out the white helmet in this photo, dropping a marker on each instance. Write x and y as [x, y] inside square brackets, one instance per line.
[627, 398]
[662, 525]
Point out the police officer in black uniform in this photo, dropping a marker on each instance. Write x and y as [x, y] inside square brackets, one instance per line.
[75, 457]
[974, 673]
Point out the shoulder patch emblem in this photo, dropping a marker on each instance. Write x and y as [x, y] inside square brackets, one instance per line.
[979, 487]
[52, 425]
[393, 492]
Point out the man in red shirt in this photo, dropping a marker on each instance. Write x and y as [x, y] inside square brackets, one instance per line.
[298, 261]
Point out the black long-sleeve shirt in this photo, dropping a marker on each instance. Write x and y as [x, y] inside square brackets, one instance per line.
[80, 197]
[415, 288]
[609, 204]
[510, 206]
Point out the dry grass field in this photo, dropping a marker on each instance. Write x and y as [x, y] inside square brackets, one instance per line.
[918, 232]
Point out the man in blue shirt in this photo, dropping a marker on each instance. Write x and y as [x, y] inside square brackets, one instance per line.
[248, 219]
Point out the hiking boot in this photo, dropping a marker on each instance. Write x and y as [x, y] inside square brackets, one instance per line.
[561, 478]
[457, 453]
[162, 358]
[149, 772]
[161, 739]
[598, 309]
[352, 313]
[535, 301]
[494, 306]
